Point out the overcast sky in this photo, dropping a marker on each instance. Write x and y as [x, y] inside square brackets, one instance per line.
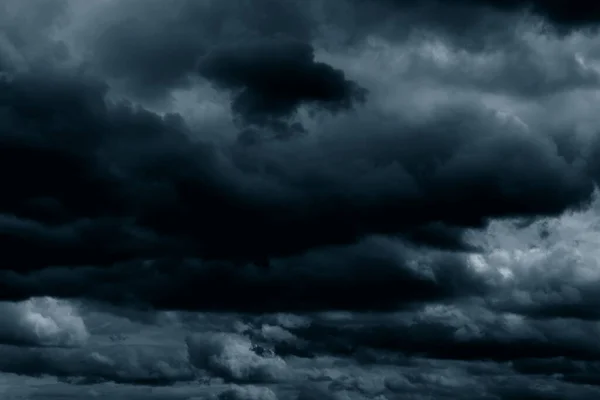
[299, 199]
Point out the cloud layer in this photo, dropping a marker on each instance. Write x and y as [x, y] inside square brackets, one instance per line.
[284, 199]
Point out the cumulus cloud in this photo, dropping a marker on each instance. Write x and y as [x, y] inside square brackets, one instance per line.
[248, 392]
[431, 217]
[233, 357]
[42, 322]
[545, 268]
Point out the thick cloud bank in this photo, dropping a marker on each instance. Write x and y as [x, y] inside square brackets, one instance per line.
[299, 199]
[233, 357]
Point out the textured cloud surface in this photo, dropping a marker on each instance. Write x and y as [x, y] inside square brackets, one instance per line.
[286, 199]
[42, 322]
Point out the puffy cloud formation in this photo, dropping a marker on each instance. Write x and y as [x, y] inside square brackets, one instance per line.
[248, 393]
[42, 322]
[143, 184]
[547, 268]
[333, 200]
[273, 77]
[234, 358]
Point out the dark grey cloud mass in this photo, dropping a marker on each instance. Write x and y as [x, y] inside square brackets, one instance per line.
[377, 274]
[131, 48]
[559, 12]
[285, 199]
[273, 77]
[103, 182]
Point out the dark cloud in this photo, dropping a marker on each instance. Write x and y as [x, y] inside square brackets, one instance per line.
[563, 14]
[63, 188]
[336, 190]
[139, 365]
[101, 182]
[376, 274]
[575, 371]
[569, 14]
[156, 356]
[415, 179]
[447, 332]
[130, 44]
[272, 77]
[26, 35]
[439, 379]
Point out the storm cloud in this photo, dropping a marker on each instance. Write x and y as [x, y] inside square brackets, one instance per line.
[106, 182]
[273, 77]
[285, 199]
[377, 274]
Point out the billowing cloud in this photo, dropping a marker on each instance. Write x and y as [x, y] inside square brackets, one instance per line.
[139, 187]
[273, 77]
[416, 181]
[544, 268]
[131, 49]
[247, 393]
[376, 274]
[233, 358]
[42, 322]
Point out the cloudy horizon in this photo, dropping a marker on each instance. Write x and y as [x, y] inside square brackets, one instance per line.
[299, 199]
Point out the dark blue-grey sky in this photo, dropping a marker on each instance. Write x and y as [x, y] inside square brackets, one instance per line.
[299, 199]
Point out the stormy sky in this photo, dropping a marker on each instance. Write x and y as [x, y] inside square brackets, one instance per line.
[299, 199]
